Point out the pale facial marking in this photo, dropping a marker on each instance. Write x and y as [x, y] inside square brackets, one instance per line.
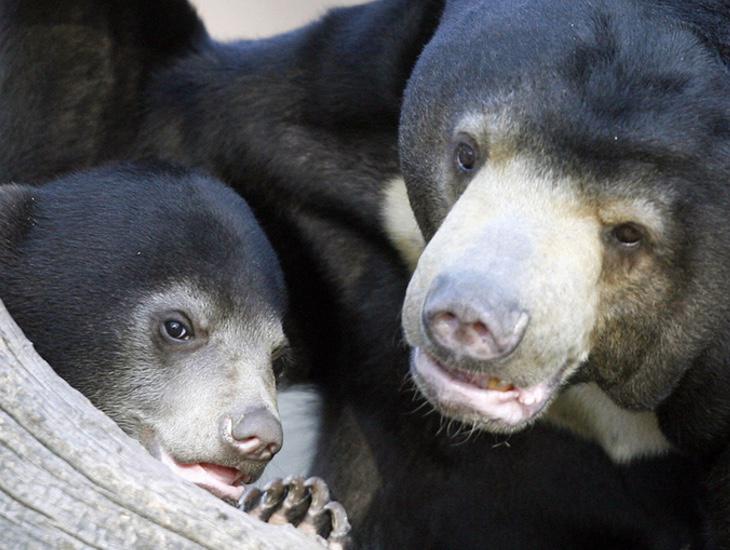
[530, 236]
[400, 223]
[584, 409]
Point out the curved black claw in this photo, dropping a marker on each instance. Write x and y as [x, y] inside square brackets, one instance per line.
[339, 537]
[263, 504]
[305, 504]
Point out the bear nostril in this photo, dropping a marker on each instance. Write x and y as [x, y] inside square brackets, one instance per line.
[248, 445]
[480, 329]
[446, 317]
[463, 323]
[257, 435]
[476, 338]
[444, 324]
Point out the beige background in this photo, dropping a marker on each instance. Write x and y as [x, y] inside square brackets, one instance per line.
[230, 19]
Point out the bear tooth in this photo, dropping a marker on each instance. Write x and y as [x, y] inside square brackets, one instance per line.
[499, 385]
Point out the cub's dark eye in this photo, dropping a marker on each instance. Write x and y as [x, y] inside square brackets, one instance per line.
[177, 330]
[280, 359]
[628, 235]
[466, 156]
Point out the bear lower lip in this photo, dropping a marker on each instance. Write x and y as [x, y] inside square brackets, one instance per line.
[222, 481]
[224, 474]
[472, 393]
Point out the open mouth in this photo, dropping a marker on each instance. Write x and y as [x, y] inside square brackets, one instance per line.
[467, 393]
[222, 481]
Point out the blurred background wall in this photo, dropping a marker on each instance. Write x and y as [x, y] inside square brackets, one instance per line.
[230, 19]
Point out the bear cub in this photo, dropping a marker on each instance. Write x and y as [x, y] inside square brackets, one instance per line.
[154, 292]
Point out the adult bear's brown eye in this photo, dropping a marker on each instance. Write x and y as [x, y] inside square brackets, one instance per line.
[628, 235]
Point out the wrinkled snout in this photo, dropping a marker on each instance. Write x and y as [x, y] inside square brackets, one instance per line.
[255, 434]
[501, 307]
[467, 316]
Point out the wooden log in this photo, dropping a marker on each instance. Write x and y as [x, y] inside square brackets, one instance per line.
[70, 478]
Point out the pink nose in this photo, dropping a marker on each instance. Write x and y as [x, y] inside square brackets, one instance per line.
[454, 333]
[257, 435]
[466, 317]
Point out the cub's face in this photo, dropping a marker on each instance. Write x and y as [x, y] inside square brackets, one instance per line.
[569, 215]
[195, 382]
[155, 293]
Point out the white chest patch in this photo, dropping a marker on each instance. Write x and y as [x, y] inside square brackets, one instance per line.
[625, 435]
[400, 223]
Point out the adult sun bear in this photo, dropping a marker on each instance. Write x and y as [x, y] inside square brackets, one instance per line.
[574, 193]
[305, 127]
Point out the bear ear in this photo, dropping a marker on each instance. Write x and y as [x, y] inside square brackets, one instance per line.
[16, 212]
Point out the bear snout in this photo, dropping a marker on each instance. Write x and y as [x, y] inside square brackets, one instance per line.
[464, 316]
[254, 434]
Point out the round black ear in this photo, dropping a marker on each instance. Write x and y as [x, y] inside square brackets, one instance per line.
[16, 213]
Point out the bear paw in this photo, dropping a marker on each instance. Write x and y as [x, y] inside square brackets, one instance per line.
[304, 504]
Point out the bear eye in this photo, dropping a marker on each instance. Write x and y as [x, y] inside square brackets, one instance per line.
[280, 358]
[466, 155]
[177, 330]
[628, 235]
